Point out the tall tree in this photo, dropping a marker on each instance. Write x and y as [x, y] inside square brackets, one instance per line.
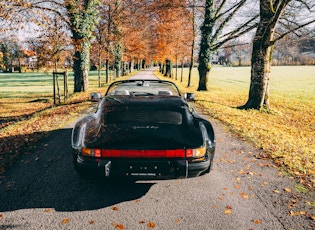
[83, 17]
[216, 31]
[271, 12]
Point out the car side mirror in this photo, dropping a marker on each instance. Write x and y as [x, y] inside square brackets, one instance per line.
[189, 97]
[95, 96]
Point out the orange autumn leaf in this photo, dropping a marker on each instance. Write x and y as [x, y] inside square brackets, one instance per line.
[115, 208]
[257, 221]
[287, 190]
[91, 222]
[65, 221]
[228, 212]
[48, 210]
[141, 222]
[151, 225]
[118, 226]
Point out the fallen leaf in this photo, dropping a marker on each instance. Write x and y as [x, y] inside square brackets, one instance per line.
[137, 201]
[48, 210]
[292, 213]
[118, 226]
[91, 222]
[151, 225]
[176, 221]
[264, 184]
[1, 215]
[276, 191]
[313, 217]
[65, 221]
[214, 206]
[228, 212]
[257, 221]
[287, 190]
[241, 171]
[244, 196]
[141, 222]
[115, 208]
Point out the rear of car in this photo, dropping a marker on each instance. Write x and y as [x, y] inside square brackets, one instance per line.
[146, 136]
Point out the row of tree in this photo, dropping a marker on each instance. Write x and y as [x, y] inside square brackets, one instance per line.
[165, 31]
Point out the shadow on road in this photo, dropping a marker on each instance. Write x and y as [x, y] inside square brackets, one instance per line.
[45, 178]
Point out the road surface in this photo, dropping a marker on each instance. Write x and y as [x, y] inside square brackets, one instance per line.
[43, 191]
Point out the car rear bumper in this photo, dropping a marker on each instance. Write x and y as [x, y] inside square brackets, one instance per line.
[144, 168]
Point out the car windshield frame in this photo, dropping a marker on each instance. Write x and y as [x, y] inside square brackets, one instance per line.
[143, 88]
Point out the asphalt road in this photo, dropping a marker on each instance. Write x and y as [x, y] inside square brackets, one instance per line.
[42, 191]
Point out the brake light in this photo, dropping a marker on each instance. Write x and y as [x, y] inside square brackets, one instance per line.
[97, 152]
[173, 153]
[198, 152]
[145, 153]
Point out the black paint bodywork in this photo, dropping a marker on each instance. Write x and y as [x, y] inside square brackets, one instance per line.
[143, 122]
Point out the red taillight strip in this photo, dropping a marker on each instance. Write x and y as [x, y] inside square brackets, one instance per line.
[143, 153]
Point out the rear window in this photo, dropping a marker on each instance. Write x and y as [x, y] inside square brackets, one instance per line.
[147, 117]
[144, 88]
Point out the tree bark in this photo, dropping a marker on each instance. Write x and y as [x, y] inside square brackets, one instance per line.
[107, 71]
[168, 71]
[81, 67]
[118, 56]
[258, 97]
[205, 53]
[81, 24]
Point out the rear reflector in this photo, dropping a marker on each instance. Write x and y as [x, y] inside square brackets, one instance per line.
[143, 153]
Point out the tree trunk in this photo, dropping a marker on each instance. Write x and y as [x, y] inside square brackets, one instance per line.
[168, 71]
[81, 67]
[192, 44]
[117, 64]
[176, 70]
[107, 71]
[205, 53]
[182, 70]
[99, 67]
[261, 60]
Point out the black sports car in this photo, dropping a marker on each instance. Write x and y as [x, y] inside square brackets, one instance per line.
[144, 129]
